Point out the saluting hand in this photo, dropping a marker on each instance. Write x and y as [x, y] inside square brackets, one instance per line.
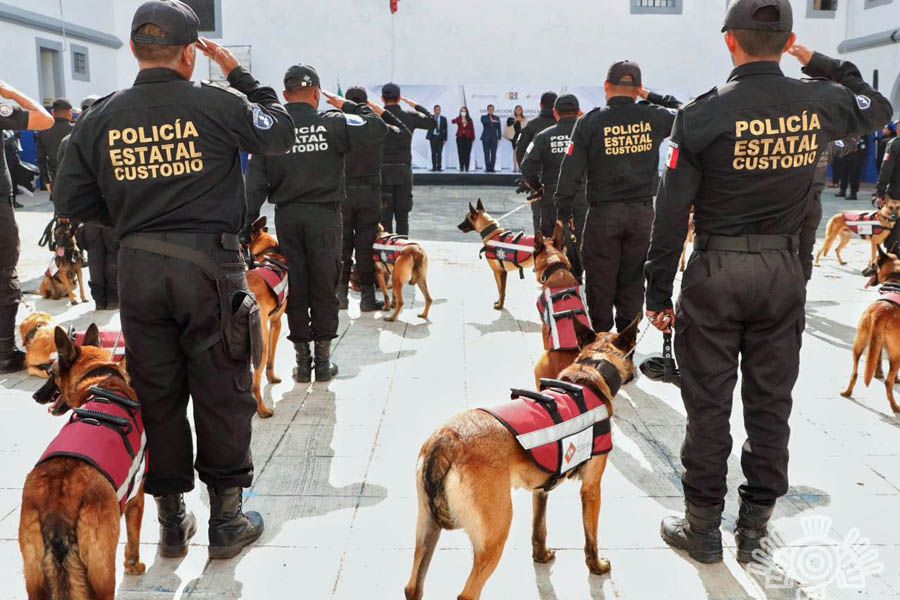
[408, 101]
[801, 53]
[8, 91]
[378, 110]
[219, 55]
[335, 101]
[643, 92]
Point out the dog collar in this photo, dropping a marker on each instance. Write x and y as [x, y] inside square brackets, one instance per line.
[487, 232]
[609, 372]
[560, 266]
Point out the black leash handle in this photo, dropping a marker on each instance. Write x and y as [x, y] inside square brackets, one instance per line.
[667, 345]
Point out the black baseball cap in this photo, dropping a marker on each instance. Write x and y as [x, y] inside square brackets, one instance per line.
[88, 101]
[567, 103]
[61, 104]
[548, 98]
[741, 14]
[357, 94]
[390, 91]
[174, 17]
[300, 76]
[622, 69]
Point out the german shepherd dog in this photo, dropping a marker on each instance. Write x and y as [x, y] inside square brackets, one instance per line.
[69, 265]
[467, 468]
[477, 219]
[410, 267]
[37, 336]
[550, 252]
[837, 227]
[879, 329]
[262, 246]
[69, 526]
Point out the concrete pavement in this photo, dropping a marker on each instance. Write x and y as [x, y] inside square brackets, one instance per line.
[335, 465]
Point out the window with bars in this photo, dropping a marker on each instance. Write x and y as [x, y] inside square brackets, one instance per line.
[656, 7]
[81, 63]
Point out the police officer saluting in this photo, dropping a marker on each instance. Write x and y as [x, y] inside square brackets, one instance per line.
[616, 147]
[744, 156]
[362, 208]
[28, 115]
[307, 187]
[159, 161]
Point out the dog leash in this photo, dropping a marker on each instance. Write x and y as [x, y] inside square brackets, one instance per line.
[515, 210]
[646, 329]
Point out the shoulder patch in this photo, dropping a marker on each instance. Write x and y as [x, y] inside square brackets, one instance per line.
[354, 120]
[6, 110]
[261, 119]
[864, 102]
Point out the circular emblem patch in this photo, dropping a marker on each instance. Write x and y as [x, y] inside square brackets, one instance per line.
[6, 110]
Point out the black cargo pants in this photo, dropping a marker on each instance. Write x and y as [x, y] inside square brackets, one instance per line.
[738, 309]
[171, 318]
[10, 292]
[616, 239]
[310, 238]
[397, 199]
[102, 249]
[361, 214]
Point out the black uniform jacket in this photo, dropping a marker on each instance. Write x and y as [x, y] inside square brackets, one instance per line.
[363, 162]
[889, 178]
[541, 122]
[544, 156]
[12, 118]
[313, 169]
[47, 143]
[163, 155]
[617, 148]
[745, 154]
[398, 148]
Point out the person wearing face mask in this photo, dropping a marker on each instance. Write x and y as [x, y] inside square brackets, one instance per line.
[465, 136]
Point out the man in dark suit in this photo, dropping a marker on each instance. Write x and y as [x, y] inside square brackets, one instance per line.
[437, 137]
[490, 137]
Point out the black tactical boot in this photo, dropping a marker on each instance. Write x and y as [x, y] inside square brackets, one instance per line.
[325, 368]
[698, 533]
[303, 370]
[342, 294]
[230, 528]
[751, 528]
[176, 525]
[367, 302]
[11, 358]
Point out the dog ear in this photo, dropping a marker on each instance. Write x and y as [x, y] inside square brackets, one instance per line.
[259, 225]
[472, 210]
[479, 206]
[92, 337]
[626, 340]
[559, 240]
[584, 334]
[66, 349]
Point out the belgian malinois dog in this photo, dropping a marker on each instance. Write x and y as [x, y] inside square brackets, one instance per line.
[69, 526]
[264, 246]
[410, 267]
[477, 219]
[69, 266]
[838, 227]
[549, 253]
[37, 336]
[879, 329]
[467, 468]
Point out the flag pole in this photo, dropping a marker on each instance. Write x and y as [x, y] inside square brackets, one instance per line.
[393, 46]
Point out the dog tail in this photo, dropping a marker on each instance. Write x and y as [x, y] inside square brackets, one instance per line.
[876, 343]
[63, 569]
[436, 464]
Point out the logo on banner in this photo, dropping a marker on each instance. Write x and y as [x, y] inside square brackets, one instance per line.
[512, 95]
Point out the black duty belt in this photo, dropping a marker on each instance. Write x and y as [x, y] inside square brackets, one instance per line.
[186, 246]
[752, 244]
[642, 200]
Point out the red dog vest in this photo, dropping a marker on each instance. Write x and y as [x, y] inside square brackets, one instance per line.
[890, 294]
[510, 247]
[106, 432]
[559, 308]
[113, 341]
[865, 224]
[387, 249]
[561, 427]
[276, 277]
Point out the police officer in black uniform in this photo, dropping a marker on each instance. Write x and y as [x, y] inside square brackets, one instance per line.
[47, 142]
[744, 155]
[536, 125]
[307, 187]
[362, 208]
[542, 162]
[159, 162]
[889, 188]
[616, 147]
[27, 115]
[396, 170]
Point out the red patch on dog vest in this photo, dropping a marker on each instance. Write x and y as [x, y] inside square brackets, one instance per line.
[387, 249]
[864, 224]
[562, 431]
[276, 278]
[109, 436]
[113, 341]
[512, 247]
[559, 308]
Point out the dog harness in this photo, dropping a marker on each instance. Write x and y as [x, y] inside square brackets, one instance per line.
[890, 292]
[275, 274]
[106, 432]
[559, 308]
[512, 247]
[561, 427]
[866, 224]
[386, 250]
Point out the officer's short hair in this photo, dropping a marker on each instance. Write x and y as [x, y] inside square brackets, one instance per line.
[763, 44]
[155, 53]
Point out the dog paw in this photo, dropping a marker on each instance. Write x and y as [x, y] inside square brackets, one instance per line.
[272, 377]
[135, 568]
[598, 566]
[543, 556]
[263, 412]
[423, 316]
[847, 394]
[390, 319]
[498, 306]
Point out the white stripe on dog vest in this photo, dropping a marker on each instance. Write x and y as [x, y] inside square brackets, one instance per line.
[564, 429]
[135, 473]
[517, 247]
[280, 287]
[554, 332]
[390, 248]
